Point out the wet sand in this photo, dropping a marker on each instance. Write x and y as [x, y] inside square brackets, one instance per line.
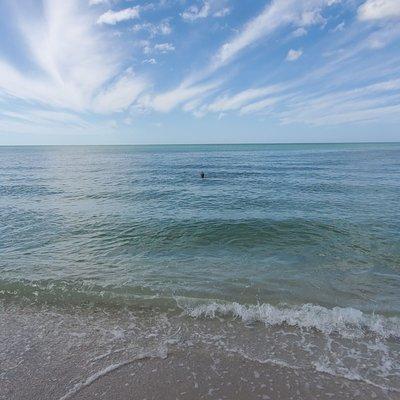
[47, 354]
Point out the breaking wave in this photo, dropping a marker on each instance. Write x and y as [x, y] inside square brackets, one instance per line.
[347, 322]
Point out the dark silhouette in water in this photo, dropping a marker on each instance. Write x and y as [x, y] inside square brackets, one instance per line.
[202, 175]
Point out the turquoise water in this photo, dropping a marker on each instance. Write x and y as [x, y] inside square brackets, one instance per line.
[274, 224]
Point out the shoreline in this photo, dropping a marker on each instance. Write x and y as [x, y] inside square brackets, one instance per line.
[49, 354]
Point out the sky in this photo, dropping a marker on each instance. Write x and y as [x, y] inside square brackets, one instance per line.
[199, 71]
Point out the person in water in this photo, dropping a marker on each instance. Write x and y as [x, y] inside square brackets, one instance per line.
[202, 175]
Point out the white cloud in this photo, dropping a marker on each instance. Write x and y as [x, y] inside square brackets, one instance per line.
[45, 117]
[120, 95]
[71, 63]
[75, 59]
[294, 55]
[169, 100]
[213, 8]
[275, 15]
[148, 48]
[222, 13]
[193, 106]
[195, 12]
[237, 101]
[363, 103]
[149, 61]
[97, 2]
[383, 37]
[164, 47]
[75, 66]
[339, 27]
[261, 105]
[299, 32]
[163, 28]
[113, 17]
[365, 113]
[379, 9]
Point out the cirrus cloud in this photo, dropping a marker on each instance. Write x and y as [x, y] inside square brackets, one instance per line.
[379, 9]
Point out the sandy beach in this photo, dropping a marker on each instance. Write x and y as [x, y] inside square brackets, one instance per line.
[48, 354]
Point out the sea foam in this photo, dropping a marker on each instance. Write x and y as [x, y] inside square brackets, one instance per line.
[347, 322]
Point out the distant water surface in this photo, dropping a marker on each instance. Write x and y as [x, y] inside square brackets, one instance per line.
[273, 224]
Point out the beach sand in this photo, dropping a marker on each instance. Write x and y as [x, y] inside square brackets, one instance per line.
[74, 354]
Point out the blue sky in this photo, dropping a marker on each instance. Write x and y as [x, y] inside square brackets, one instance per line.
[199, 71]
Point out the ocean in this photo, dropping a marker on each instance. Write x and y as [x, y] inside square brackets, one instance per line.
[286, 255]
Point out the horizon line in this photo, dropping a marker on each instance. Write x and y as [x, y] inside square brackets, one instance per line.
[199, 144]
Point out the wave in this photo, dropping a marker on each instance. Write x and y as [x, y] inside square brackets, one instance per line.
[237, 233]
[183, 234]
[347, 322]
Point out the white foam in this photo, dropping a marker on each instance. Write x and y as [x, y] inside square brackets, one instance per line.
[159, 353]
[271, 361]
[352, 376]
[347, 322]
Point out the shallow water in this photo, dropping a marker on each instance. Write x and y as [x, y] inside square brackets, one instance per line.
[303, 237]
